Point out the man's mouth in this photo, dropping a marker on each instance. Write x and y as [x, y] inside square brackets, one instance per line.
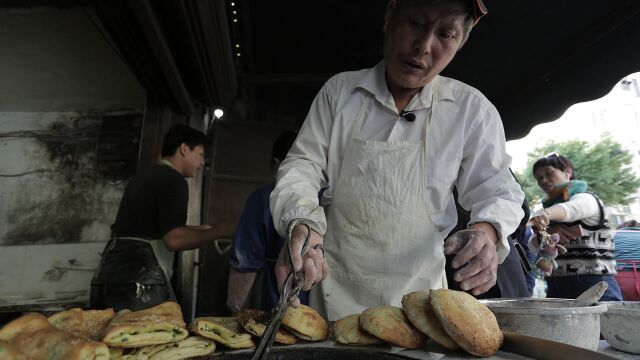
[414, 64]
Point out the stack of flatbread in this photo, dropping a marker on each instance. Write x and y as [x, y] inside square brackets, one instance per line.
[156, 333]
[453, 319]
[32, 337]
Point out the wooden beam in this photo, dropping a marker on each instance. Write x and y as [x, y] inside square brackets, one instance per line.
[143, 11]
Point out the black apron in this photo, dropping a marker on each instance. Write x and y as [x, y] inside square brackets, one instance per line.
[129, 277]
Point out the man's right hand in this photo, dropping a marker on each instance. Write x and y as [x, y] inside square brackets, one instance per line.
[313, 264]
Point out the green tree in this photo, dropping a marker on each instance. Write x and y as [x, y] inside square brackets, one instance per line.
[604, 165]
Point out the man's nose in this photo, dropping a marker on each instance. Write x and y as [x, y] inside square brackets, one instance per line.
[424, 43]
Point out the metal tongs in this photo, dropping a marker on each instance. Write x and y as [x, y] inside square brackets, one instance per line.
[292, 286]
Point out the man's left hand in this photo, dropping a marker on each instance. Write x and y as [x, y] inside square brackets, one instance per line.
[476, 257]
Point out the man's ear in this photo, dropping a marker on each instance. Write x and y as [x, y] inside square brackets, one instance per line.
[391, 7]
[183, 149]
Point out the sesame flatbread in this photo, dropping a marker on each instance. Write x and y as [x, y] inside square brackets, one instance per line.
[256, 322]
[35, 338]
[417, 307]
[469, 323]
[391, 325]
[153, 326]
[347, 331]
[85, 323]
[305, 323]
[225, 330]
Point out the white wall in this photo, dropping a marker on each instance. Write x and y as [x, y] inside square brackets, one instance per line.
[59, 78]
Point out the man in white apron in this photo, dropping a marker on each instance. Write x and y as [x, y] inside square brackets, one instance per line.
[390, 143]
[137, 263]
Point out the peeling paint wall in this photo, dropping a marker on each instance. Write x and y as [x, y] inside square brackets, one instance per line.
[61, 178]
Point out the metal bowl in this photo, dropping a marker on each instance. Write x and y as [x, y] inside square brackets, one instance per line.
[620, 325]
[552, 319]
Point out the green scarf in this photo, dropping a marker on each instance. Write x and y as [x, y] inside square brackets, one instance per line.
[563, 192]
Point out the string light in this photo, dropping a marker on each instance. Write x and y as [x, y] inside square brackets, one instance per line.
[235, 21]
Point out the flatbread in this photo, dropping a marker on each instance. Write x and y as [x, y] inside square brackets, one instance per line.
[183, 349]
[305, 323]
[84, 323]
[347, 331]
[33, 336]
[391, 325]
[157, 325]
[9, 352]
[256, 322]
[469, 323]
[225, 330]
[417, 307]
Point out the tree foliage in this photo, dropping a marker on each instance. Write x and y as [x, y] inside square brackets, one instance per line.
[604, 165]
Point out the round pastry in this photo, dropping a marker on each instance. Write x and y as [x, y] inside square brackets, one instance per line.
[347, 331]
[417, 308]
[391, 325]
[469, 323]
[305, 323]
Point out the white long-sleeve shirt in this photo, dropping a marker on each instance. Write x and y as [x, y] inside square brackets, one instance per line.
[581, 206]
[465, 147]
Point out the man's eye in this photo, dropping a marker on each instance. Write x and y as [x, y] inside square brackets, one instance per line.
[447, 35]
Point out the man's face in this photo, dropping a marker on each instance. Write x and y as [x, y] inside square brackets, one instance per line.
[193, 160]
[419, 42]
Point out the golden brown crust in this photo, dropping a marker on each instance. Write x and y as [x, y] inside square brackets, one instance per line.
[391, 325]
[84, 323]
[256, 322]
[27, 323]
[34, 337]
[469, 323]
[347, 331]
[225, 330]
[153, 326]
[306, 323]
[9, 352]
[418, 309]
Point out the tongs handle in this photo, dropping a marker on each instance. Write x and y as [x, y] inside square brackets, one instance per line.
[290, 290]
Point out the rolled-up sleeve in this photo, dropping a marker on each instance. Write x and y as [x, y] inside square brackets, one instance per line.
[485, 182]
[303, 173]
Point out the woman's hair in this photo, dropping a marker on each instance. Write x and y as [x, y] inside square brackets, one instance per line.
[557, 161]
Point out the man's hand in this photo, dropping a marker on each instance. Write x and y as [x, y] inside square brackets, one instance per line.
[314, 265]
[476, 256]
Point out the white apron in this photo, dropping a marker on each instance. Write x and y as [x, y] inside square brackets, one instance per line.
[380, 241]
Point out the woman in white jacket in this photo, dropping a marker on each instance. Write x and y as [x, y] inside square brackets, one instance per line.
[578, 218]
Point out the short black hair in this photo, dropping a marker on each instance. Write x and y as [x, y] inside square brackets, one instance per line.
[557, 161]
[182, 134]
[282, 144]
